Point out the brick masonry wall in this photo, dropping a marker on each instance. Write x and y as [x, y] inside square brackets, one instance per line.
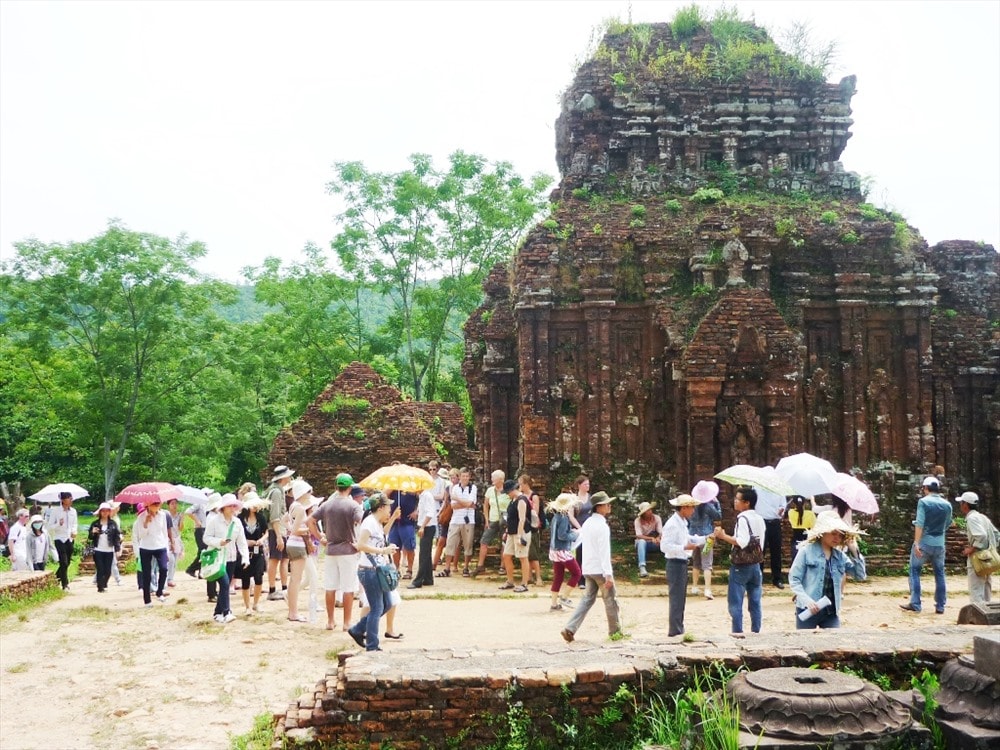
[422, 698]
[21, 585]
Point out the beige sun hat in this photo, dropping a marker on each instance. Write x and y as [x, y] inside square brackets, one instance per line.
[253, 501]
[684, 501]
[643, 507]
[830, 521]
[563, 502]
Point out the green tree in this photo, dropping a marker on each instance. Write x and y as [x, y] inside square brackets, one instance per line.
[127, 310]
[426, 238]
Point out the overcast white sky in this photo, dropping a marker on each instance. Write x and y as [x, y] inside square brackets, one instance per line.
[222, 119]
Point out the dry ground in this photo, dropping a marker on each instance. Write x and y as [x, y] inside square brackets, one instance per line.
[98, 670]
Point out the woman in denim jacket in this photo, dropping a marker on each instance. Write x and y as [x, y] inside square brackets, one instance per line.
[562, 535]
[818, 571]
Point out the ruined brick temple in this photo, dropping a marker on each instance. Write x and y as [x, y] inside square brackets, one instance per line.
[711, 288]
[360, 423]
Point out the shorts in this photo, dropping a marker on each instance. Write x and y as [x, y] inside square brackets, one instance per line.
[535, 547]
[404, 537]
[442, 532]
[254, 570]
[701, 558]
[272, 546]
[295, 553]
[340, 573]
[460, 531]
[514, 548]
[493, 534]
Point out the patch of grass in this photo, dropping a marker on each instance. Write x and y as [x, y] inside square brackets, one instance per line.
[260, 736]
[18, 668]
[333, 653]
[90, 612]
[20, 607]
[708, 195]
[673, 206]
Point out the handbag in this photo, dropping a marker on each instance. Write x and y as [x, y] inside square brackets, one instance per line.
[213, 559]
[444, 515]
[749, 555]
[388, 576]
[986, 561]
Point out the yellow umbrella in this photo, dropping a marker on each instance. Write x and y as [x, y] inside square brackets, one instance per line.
[398, 477]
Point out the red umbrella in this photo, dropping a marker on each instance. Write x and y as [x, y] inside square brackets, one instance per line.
[147, 492]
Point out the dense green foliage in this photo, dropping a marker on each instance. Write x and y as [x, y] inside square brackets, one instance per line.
[123, 364]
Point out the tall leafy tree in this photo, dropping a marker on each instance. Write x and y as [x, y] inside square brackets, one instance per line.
[427, 237]
[125, 309]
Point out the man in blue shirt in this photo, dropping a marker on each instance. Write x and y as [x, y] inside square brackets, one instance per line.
[933, 520]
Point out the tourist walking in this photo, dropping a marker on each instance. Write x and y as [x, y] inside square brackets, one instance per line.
[63, 530]
[648, 531]
[771, 508]
[702, 523]
[199, 516]
[817, 573]
[225, 531]
[933, 520]
[536, 527]
[106, 539]
[517, 539]
[339, 516]
[176, 549]
[745, 577]
[373, 551]
[296, 546]
[254, 521]
[677, 546]
[404, 532]
[150, 534]
[980, 534]
[426, 527]
[599, 577]
[495, 502]
[40, 548]
[277, 568]
[562, 537]
[462, 528]
[580, 512]
[17, 541]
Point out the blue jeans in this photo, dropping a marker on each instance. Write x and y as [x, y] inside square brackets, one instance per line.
[379, 603]
[934, 556]
[745, 580]
[643, 548]
[222, 602]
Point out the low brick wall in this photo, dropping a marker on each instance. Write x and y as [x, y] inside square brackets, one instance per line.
[421, 698]
[21, 585]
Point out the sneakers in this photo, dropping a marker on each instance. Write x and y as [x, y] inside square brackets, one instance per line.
[249, 612]
[357, 637]
[909, 608]
[220, 619]
[556, 607]
[161, 598]
[479, 570]
[694, 590]
[567, 635]
[275, 596]
[566, 602]
[643, 573]
[229, 618]
[708, 593]
[520, 589]
[149, 605]
[507, 586]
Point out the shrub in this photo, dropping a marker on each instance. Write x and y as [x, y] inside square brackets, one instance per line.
[687, 21]
[598, 229]
[869, 212]
[829, 217]
[673, 206]
[639, 211]
[550, 224]
[785, 226]
[849, 238]
[581, 193]
[708, 195]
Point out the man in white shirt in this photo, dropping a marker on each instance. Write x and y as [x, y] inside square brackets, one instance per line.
[62, 529]
[980, 535]
[595, 538]
[17, 541]
[427, 513]
[677, 545]
[462, 528]
[745, 580]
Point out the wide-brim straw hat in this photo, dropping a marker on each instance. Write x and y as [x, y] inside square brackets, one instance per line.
[705, 491]
[685, 501]
[643, 507]
[229, 500]
[253, 501]
[828, 521]
[282, 472]
[563, 502]
[212, 503]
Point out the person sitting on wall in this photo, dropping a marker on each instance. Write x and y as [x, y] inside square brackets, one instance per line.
[648, 530]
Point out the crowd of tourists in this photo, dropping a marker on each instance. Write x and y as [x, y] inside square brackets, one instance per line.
[279, 535]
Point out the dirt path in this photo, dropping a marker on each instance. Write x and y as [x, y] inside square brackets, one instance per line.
[92, 670]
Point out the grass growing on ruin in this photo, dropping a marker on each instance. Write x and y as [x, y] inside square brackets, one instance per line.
[10, 606]
[260, 736]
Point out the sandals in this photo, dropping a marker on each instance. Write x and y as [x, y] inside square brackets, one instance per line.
[298, 618]
[479, 570]
[443, 574]
[466, 573]
[507, 586]
[520, 589]
[407, 576]
[395, 637]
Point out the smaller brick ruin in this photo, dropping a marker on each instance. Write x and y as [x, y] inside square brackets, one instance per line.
[360, 423]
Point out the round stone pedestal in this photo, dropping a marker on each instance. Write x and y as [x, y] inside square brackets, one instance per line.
[814, 704]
